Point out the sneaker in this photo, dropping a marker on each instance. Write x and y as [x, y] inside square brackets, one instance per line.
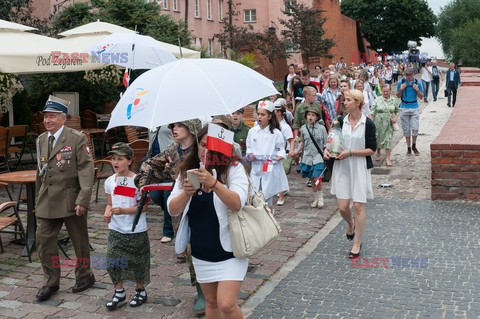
[309, 183]
[280, 202]
[165, 240]
[414, 149]
[409, 151]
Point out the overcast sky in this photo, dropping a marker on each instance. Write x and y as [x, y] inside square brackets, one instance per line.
[431, 45]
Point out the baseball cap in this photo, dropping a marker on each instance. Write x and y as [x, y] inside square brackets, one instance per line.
[121, 149]
[279, 103]
[56, 105]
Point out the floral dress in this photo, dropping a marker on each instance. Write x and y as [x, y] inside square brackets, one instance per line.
[384, 110]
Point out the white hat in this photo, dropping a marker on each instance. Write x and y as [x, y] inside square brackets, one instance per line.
[266, 105]
[279, 103]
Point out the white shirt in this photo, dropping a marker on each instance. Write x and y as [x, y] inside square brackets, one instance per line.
[123, 223]
[286, 132]
[426, 76]
[237, 181]
[267, 147]
[452, 75]
[56, 135]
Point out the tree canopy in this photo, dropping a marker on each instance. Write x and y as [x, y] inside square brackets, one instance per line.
[458, 30]
[145, 17]
[389, 24]
[304, 31]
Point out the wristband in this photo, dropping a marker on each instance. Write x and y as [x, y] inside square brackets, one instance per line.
[350, 152]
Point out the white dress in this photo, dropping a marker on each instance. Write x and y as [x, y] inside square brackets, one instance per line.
[350, 178]
[266, 146]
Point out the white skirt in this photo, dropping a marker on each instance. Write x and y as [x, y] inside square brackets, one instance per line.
[233, 269]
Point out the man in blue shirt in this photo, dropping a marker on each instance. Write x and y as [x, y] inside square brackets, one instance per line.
[452, 83]
[409, 89]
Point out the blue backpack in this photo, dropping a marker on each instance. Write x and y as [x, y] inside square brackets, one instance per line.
[404, 91]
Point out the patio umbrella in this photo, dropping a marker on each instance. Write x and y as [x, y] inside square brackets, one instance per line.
[188, 89]
[4, 24]
[135, 51]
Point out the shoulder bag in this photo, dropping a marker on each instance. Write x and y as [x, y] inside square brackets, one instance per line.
[327, 172]
[253, 227]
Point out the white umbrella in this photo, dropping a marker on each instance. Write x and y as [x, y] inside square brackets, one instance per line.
[97, 27]
[188, 89]
[134, 51]
[4, 24]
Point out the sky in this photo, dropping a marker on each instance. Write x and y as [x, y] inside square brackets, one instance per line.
[431, 45]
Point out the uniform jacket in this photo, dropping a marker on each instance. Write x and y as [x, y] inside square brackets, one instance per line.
[68, 179]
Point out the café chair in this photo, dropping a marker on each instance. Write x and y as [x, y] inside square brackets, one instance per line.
[4, 141]
[17, 147]
[140, 150]
[10, 220]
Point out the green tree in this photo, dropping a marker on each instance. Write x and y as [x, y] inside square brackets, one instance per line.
[144, 17]
[21, 11]
[389, 24]
[451, 24]
[466, 44]
[234, 38]
[272, 47]
[304, 31]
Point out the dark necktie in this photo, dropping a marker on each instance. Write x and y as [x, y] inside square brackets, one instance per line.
[51, 138]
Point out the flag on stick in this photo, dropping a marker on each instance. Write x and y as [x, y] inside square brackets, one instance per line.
[126, 78]
[219, 139]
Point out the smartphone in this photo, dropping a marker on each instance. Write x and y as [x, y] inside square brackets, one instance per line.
[193, 179]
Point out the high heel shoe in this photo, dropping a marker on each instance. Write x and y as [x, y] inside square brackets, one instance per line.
[350, 237]
[355, 255]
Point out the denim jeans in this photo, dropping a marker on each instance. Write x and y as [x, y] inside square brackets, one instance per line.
[160, 198]
[435, 87]
[425, 89]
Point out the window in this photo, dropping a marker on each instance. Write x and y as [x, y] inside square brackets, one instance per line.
[220, 10]
[175, 5]
[197, 8]
[165, 4]
[209, 9]
[289, 3]
[210, 47]
[250, 15]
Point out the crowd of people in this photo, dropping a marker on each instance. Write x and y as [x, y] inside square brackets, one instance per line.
[290, 129]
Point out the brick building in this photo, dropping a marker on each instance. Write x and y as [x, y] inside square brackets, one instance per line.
[204, 19]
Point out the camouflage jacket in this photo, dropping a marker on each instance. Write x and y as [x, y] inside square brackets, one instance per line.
[164, 166]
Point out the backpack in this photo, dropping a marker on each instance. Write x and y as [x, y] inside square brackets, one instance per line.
[415, 81]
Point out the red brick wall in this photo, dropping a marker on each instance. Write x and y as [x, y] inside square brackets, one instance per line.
[455, 153]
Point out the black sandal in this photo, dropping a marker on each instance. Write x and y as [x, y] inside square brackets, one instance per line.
[138, 299]
[116, 301]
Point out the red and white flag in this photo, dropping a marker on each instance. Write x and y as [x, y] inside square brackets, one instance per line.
[219, 139]
[125, 186]
[126, 78]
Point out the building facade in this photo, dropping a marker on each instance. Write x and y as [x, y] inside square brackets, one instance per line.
[204, 18]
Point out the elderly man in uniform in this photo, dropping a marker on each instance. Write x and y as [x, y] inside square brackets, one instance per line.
[63, 188]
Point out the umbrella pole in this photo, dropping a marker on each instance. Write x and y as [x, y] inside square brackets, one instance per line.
[180, 47]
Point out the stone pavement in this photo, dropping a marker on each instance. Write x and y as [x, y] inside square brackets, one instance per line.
[402, 222]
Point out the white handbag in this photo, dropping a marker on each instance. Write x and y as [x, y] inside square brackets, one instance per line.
[253, 227]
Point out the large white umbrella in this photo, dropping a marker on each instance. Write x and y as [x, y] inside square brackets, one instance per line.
[7, 25]
[188, 89]
[134, 51]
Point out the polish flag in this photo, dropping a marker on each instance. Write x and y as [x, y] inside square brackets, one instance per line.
[124, 191]
[126, 78]
[219, 139]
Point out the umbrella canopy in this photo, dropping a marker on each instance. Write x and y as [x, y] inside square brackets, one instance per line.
[134, 51]
[97, 27]
[14, 26]
[215, 86]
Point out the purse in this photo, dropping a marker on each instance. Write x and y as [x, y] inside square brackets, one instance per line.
[327, 172]
[445, 92]
[253, 227]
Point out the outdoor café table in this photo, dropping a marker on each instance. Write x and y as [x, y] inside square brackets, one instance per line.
[27, 178]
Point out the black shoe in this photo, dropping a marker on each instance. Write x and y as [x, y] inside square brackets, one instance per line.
[46, 292]
[355, 255]
[414, 149]
[448, 104]
[409, 151]
[117, 301]
[79, 287]
[350, 237]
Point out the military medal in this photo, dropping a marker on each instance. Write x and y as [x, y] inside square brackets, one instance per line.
[43, 158]
[59, 156]
[59, 164]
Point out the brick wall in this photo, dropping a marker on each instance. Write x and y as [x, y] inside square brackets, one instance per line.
[455, 153]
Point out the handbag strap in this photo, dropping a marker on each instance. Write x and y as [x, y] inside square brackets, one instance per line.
[314, 142]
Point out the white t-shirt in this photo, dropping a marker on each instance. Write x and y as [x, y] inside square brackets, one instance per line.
[131, 195]
[286, 132]
[426, 76]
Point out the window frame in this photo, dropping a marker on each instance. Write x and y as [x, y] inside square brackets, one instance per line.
[250, 15]
[209, 10]
[196, 9]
